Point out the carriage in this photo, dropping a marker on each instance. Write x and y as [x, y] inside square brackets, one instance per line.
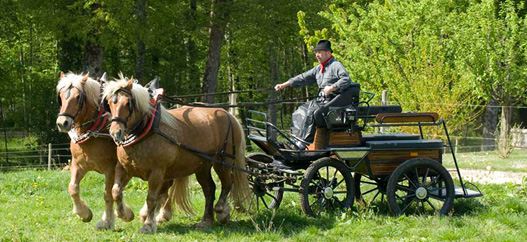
[405, 168]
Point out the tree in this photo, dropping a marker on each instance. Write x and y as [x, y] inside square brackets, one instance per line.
[219, 16]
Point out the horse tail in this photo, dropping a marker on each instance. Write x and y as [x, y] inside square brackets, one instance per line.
[179, 194]
[241, 192]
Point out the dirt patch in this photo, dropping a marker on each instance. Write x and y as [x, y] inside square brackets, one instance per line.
[487, 177]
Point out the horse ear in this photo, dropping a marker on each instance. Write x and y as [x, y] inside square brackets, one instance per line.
[61, 74]
[103, 78]
[85, 78]
[153, 84]
[130, 83]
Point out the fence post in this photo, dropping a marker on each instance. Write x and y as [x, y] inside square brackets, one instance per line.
[456, 145]
[384, 102]
[49, 156]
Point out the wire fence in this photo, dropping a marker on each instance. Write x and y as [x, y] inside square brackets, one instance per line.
[50, 156]
[57, 156]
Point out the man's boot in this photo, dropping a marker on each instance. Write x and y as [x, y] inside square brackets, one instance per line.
[321, 139]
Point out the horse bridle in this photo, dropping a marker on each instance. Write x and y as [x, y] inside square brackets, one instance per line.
[80, 102]
[130, 106]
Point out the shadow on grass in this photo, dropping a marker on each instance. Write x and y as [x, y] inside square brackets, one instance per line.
[468, 207]
[287, 222]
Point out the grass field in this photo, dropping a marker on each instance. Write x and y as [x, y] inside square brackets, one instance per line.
[34, 206]
[516, 162]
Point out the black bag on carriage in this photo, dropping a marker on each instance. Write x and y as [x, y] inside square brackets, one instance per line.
[304, 121]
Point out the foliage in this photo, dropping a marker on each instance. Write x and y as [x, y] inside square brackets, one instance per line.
[443, 56]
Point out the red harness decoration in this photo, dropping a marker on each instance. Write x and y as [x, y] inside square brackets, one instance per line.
[155, 103]
[100, 122]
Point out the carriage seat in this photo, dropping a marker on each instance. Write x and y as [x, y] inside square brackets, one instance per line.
[393, 136]
[431, 144]
[406, 117]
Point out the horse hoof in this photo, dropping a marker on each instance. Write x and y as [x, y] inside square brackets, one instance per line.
[148, 229]
[104, 225]
[224, 218]
[163, 216]
[223, 214]
[86, 217]
[203, 225]
[126, 215]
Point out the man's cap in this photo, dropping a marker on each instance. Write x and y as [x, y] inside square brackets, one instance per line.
[324, 45]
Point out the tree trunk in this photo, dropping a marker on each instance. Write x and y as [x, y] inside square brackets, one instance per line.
[140, 10]
[93, 59]
[93, 51]
[191, 49]
[233, 97]
[273, 68]
[218, 20]
[504, 139]
[489, 128]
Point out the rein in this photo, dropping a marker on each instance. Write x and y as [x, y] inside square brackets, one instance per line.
[152, 126]
[98, 122]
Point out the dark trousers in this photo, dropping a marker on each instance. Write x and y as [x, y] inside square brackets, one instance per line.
[343, 99]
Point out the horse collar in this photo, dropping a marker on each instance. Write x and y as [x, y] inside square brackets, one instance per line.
[99, 122]
[143, 128]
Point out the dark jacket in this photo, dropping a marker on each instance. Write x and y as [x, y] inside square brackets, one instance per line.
[334, 74]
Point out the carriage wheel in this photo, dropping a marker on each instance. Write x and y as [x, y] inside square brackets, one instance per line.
[267, 193]
[327, 187]
[421, 186]
[368, 190]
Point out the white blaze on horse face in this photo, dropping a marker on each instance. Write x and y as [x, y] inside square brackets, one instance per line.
[120, 115]
[68, 109]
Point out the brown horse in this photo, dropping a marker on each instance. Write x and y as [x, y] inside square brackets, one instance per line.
[179, 147]
[92, 149]
[79, 97]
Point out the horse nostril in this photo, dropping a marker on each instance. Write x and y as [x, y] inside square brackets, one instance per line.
[66, 124]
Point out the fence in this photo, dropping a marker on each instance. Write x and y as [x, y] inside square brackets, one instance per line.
[56, 155]
[42, 157]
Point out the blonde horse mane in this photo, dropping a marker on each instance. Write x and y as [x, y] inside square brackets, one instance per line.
[92, 88]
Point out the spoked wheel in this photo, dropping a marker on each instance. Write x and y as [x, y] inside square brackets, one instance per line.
[326, 187]
[268, 194]
[420, 186]
[368, 190]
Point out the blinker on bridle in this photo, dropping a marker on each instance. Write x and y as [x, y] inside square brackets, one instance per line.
[115, 99]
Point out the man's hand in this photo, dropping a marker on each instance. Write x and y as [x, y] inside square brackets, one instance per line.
[329, 89]
[281, 86]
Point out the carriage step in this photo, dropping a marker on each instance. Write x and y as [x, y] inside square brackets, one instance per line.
[458, 193]
[470, 193]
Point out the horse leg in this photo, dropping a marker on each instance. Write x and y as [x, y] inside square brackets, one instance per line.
[207, 185]
[120, 182]
[108, 217]
[164, 204]
[155, 183]
[79, 206]
[222, 208]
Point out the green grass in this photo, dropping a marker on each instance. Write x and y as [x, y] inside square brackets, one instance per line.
[34, 206]
[516, 162]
